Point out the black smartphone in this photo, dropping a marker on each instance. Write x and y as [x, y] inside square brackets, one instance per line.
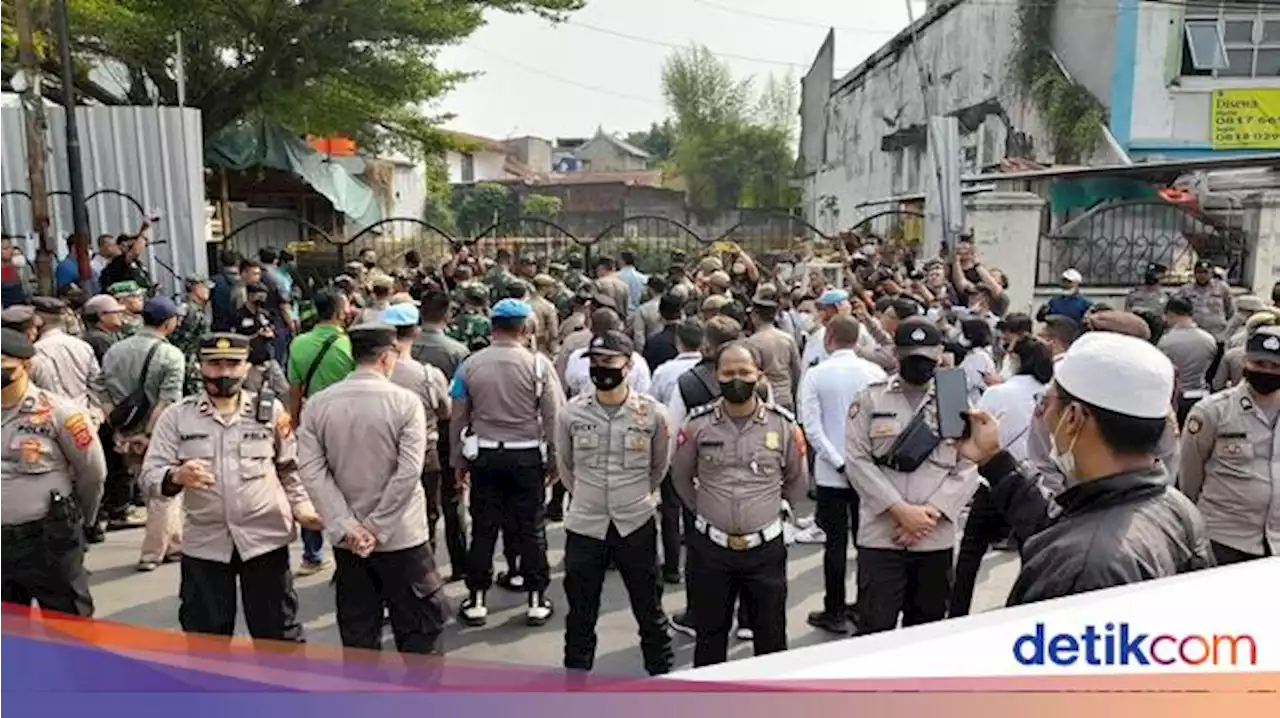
[952, 394]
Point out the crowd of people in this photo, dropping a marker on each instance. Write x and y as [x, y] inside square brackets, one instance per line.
[677, 422]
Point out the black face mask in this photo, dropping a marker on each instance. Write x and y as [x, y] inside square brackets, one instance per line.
[223, 385]
[6, 378]
[737, 391]
[606, 378]
[917, 370]
[369, 265]
[1262, 382]
[1152, 279]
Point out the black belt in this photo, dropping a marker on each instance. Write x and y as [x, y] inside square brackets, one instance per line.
[23, 531]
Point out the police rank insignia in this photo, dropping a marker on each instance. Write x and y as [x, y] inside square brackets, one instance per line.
[1194, 425]
[81, 433]
[30, 450]
[773, 441]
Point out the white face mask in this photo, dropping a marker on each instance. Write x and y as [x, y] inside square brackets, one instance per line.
[804, 321]
[1064, 460]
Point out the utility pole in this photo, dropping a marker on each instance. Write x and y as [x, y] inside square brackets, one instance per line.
[75, 172]
[36, 126]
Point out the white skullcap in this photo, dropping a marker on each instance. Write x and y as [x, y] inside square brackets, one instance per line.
[1118, 373]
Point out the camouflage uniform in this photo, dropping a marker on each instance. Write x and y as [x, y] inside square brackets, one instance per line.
[120, 290]
[574, 279]
[186, 337]
[471, 325]
[499, 281]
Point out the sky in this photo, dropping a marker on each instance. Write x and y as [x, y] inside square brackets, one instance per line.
[603, 68]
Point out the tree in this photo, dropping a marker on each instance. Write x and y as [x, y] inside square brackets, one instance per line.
[659, 141]
[733, 145]
[541, 206]
[483, 205]
[360, 68]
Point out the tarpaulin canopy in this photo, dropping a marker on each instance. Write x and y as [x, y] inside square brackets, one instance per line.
[272, 146]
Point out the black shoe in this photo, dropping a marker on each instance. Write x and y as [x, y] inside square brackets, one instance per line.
[830, 623]
[680, 622]
[1007, 544]
[540, 609]
[555, 514]
[95, 533]
[851, 613]
[672, 576]
[510, 581]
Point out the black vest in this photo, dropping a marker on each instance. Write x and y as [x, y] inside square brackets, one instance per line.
[699, 386]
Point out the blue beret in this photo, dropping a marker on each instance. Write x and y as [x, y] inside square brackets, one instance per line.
[832, 297]
[510, 309]
[400, 315]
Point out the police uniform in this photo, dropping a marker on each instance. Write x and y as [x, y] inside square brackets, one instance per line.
[240, 527]
[506, 398]
[548, 332]
[1212, 303]
[51, 481]
[743, 469]
[1150, 296]
[912, 580]
[22, 319]
[1231, 462]
[781, 358]
[361, 449]
[612, 460]
[64, 364]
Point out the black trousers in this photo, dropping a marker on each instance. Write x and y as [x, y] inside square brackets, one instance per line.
[558, 492]
[507, 492]
[586, 561]
[1225, 555]
[207, 596]
[915, 584]
[1182, 408]
[986, 526]
[671, 511]
[837, 516]
[47, 572]
[401, 583]
[716, 576]
[117, 493]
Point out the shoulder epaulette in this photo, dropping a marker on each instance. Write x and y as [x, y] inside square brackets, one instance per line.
[703, 410]
[580, 399]
[783, 411]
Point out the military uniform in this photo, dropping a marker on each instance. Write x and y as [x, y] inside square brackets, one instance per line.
[192, 328]
[121, 290]
[895, 576]
[612, 461]
[499, 281]
[361, 451]
[743, 470]
[506, 398]
[51, 483]
[240, 527]
[1231, 463]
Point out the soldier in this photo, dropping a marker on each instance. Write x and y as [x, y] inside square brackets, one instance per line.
[610, 284]
[470, 326]
[64, 364]
[233, 457]
[132, 296]
[574, 278]
[614, 454]
[191, 330]
[746, 455]
[505, 401]
[361, 449]
[1231, 368]
[548, 318]
[499, 278]
[778, 349]
[52, 478]
[103, 317]
[911, 491]
[561, 296]
[1231, 457]
[428, 384]
[1150, 296]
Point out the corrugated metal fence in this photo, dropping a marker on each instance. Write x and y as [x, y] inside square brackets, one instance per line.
[151, 154]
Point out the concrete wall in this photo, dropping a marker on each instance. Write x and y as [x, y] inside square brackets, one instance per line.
[604, 156]
[487, 166]
[1084, 38]
[534, 152]
[815, 88]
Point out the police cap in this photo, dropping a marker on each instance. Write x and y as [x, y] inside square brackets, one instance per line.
[918, 336]
[1204, 265]
[369, 339]
[611, 344]
[18, 316]
[1263, 344]
[49, 305]
[833, 297]
[15, 344]
[224, 345]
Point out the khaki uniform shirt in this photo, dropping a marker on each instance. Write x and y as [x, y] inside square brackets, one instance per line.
[1212, 306]
[612, 460]
[1230, 370]
[360, 452]
[50, 444]
[1149, 298]
[494, 393]
[432, 389]
[547, 332]
[256, 490]
[646, 322]
[945, 480]
[1191, 349]
[572, 343]
[614, 288]
[575, 322]
[735, 476]
[66, 365]
[1230, 468]
[781, 363]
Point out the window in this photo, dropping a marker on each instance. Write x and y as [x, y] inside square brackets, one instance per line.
[468, 167]
[1232, 38]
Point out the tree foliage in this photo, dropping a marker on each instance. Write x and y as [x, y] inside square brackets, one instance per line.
[360, 68]
[659, 141]
[733, 144]
[541, 206]
[483, 205]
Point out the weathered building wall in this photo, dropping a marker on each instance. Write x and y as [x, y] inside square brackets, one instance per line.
[1084, 38]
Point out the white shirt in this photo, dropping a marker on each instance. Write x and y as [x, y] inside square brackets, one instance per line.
[814, 349]
[1014, 404]
[666, 375]
[826, 391]
[577, 374]
[977, 363]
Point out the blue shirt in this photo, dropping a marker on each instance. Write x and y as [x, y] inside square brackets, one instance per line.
[68, 272]
[636, 283]
[1070, 305]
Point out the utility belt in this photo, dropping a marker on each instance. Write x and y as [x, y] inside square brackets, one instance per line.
[62, 526]
[472, 444]
[1195, 394]
[745, 542]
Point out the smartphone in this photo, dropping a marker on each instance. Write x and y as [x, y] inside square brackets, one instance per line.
[952, 394]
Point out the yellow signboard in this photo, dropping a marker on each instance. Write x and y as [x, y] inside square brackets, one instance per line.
[1246, 119]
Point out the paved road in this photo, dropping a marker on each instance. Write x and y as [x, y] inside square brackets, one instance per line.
[123, 595]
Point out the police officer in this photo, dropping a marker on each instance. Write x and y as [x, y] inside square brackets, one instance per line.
[1212, 304]
[65, 364]
[233, 457]
[22, 319]
[781, 355]
[910, 495]
[505, 400]
[430, 386]
[360, 452]
[1231, 457]
[613, 456]
[1150, 296]
[746, 455]
[1231, 368]
[52, 478]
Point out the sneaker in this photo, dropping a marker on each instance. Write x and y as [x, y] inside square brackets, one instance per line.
[540, 609]
[672, 576]
[811, 535]
[147, 566]
[95, 533]
[680, 622]
[473, 610]
[744, 634]
[308, 568]
[131, 518]
[510, 581]
[830, 623]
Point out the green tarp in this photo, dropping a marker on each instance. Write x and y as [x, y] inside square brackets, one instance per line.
[273, 147]
[1068, 194]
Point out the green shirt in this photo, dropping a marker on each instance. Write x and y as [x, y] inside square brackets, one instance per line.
[334, 366]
